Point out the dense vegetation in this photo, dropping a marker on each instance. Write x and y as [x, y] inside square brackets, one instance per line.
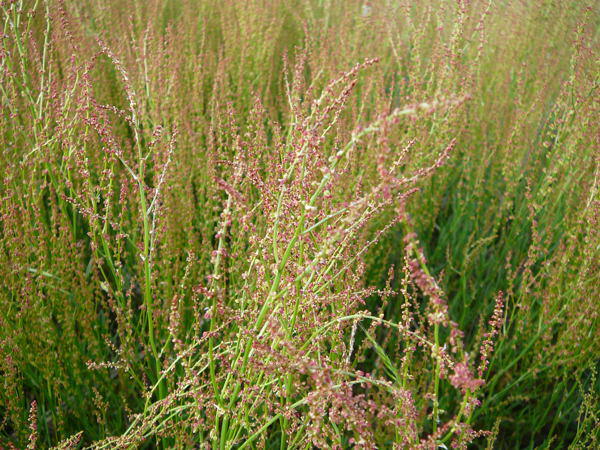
[299, 224]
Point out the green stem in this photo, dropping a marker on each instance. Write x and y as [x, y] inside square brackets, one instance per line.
[148, 284]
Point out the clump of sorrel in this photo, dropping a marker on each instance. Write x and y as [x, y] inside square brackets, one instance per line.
[274, 322]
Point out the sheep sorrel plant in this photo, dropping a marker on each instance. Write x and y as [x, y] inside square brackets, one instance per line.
[299, 224]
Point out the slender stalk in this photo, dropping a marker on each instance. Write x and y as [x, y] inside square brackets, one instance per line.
[148, 302]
